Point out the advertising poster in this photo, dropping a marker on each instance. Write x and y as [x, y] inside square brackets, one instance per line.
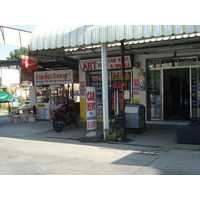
[91, 108]
[116, 82]
[136, 91]
[96, 81]
[82, 89]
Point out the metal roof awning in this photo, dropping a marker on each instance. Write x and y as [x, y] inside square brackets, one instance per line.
[4, 63]
[65, 36]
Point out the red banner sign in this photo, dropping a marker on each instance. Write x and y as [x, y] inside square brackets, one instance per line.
[29, 62]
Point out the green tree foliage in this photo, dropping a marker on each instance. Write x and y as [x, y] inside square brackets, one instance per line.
[17, 53]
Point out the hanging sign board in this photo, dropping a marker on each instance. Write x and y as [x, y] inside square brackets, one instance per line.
[91, 107]
[113, 63]
[55, 77]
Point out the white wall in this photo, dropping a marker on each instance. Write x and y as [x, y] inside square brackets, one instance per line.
[9, 76]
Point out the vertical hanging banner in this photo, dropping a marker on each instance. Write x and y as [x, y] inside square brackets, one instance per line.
[136, 91]
[141, 78]
[91, 107]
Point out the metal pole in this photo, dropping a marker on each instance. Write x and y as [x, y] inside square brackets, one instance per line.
[123, 74]
[104, 87]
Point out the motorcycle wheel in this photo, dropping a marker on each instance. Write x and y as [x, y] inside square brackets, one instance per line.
[56, 126]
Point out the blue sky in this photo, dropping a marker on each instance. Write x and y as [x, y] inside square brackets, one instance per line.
[6, 49]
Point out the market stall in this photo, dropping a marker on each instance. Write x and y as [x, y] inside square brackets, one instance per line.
[53, 89]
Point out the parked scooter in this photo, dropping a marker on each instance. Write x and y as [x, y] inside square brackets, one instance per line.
[64, 116]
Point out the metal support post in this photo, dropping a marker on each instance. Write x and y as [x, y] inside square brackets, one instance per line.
[123, 75]
[104, 87]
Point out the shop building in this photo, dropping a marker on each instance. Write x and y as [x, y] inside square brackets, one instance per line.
[161, 64]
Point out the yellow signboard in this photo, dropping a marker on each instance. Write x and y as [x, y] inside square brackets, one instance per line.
[118, 77]
[41, 105]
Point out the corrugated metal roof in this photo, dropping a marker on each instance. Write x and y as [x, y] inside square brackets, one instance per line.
[52, 37]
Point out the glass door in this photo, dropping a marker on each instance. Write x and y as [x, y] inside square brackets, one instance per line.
[154, 95]
[176, 92]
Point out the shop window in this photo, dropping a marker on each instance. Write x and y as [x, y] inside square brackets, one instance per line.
[169, 63]
[188, 61]
[42, 94]
[153, 64]
[154, 104]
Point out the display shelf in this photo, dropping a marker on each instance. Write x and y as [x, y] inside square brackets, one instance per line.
[154, 95]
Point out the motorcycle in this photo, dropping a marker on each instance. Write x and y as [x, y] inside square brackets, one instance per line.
[64, 116]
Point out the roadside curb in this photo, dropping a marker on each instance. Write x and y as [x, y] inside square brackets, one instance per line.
[95, 138]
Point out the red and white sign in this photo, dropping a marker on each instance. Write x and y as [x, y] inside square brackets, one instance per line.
[91, 108]
[82, 84]
[29, 62]
[113, 63]
[82, 89]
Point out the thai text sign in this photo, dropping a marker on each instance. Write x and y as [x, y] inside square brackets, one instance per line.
[91, 107]
[113, 63]
[53, 77]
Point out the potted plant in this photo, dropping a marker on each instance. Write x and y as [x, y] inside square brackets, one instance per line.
[111, 136]
[111, 133]
[116, 129]
[119, 133]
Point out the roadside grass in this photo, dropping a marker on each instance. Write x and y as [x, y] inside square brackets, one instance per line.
[4, 109]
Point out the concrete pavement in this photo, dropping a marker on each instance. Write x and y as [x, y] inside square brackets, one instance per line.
[156, 136]
[36, 149]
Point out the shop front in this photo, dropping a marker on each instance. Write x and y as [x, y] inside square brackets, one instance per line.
[53, 89]
[173, 88]
[90, 75]
[169, 88]
[147, 85]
